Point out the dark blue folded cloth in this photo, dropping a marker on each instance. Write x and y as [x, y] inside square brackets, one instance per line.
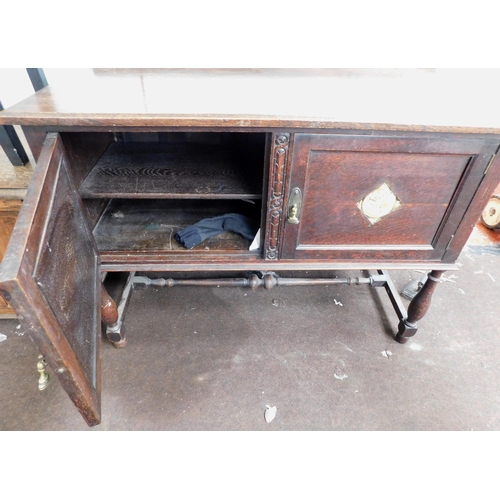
[195, 234]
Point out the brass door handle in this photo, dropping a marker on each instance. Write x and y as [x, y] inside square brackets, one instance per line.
[43, 379]
[294, 206]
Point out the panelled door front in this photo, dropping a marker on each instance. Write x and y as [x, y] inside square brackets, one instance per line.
[50, 275]
[371, 197]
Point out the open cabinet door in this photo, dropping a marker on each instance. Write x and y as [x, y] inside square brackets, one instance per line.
[50, 276]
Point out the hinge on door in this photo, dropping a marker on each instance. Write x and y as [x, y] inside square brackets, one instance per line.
[489, 164]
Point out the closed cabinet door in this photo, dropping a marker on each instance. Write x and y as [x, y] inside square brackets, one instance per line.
[50, 276]
[369, 198]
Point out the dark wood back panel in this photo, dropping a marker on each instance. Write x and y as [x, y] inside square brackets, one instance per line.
[84, 150]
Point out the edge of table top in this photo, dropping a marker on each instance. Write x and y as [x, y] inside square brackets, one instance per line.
[447, 101]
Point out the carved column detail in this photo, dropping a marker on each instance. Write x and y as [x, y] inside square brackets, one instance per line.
[276, 195]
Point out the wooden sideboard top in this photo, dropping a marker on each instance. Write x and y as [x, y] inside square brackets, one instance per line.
[434, 100]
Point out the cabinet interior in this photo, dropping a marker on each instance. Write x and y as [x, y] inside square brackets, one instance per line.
[151, 185]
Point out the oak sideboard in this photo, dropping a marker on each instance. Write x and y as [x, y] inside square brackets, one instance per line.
[341, 170]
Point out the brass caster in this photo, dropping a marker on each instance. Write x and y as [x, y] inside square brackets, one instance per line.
[43, 380]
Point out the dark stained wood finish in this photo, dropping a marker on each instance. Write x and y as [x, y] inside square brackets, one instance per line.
[110, 317]
[109, 311]
[84, 150]
[137, 226]
[184, 170]
[35, 136]
[240, 261]
[418, 307]
[403, 100]
[335, 134]
[276, 195]
[464, 227]
[434, 179]
[50, 276]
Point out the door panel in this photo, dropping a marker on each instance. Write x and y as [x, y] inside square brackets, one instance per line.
[372, 197]
[50, 275]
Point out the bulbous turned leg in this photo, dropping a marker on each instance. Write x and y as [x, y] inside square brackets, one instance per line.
[418, 307]
[109, 315]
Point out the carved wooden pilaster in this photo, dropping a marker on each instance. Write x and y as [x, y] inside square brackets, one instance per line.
[276, 195]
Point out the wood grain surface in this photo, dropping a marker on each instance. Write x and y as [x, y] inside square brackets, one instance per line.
[51, 278]
[138, 226]
[433, 178]
[157, 170]
[441, 100]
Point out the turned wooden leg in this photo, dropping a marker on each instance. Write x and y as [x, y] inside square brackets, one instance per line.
[110, 317]
[418, 307]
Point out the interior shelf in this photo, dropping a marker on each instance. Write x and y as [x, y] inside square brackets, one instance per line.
[150, 225]
[177, 170]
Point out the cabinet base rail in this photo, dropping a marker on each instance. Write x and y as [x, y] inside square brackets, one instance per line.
[408, 319]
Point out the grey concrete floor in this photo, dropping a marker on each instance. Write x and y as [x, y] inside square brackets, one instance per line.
[213, 358]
